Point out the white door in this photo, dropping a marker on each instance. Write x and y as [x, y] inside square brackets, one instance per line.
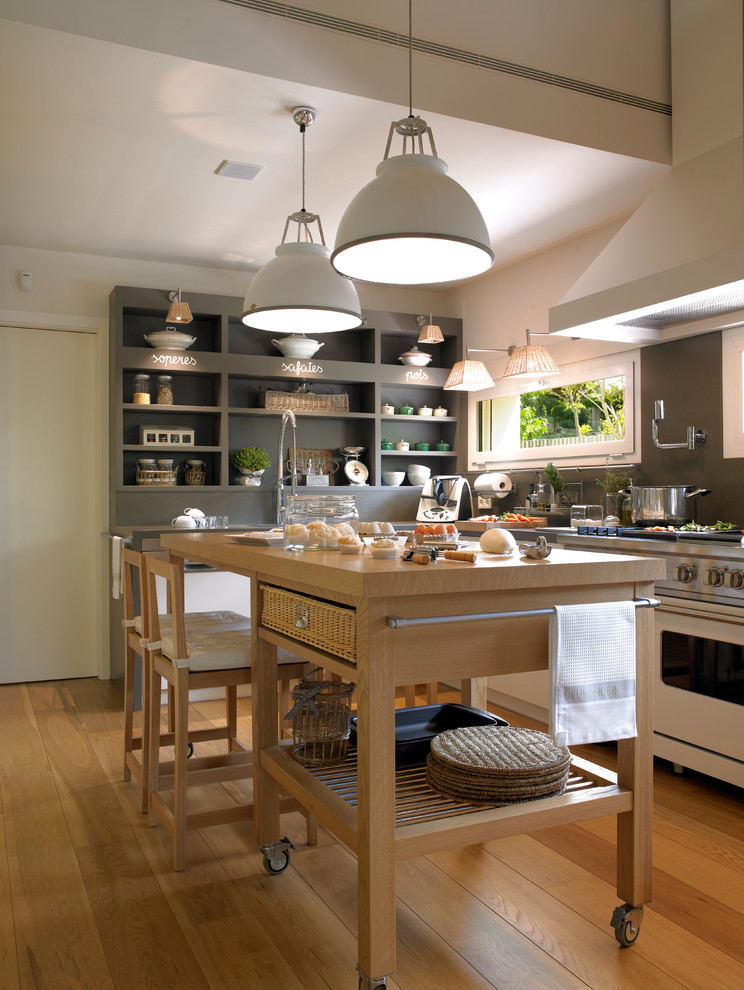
[48, 505]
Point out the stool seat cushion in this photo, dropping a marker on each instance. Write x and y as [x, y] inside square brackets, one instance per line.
[217, 645]
[218, 619]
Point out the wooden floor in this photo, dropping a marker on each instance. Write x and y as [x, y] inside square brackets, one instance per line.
[88, 899]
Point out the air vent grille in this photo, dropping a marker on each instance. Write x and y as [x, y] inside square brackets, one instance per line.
[382, 36]
[690, 312]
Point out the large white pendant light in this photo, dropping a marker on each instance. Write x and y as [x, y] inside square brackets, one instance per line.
[412, 224]
[298, 291]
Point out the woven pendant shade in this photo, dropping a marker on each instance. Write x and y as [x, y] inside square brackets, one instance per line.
[179, 311]
[530, 361]
[468, 376]
[430, 332]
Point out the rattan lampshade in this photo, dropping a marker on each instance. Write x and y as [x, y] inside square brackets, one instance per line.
[530, 361]
[430, 332]
[179, 311]
[468, 376]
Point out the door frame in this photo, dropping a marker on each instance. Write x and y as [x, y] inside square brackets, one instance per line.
[100, 329]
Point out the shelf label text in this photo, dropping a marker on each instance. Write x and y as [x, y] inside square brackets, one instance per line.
[302, 367]
[174, 360]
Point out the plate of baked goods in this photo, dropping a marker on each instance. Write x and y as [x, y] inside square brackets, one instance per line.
[260, 537]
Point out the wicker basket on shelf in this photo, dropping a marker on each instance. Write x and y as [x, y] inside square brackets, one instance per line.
[303, 401]
[321, 720]
[160, 479]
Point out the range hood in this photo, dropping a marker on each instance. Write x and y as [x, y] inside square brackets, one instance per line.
[677, 265]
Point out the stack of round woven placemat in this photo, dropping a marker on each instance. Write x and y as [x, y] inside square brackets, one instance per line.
[491, 764]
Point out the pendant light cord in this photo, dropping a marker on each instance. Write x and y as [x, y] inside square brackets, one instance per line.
[410, 58]
[302, 132]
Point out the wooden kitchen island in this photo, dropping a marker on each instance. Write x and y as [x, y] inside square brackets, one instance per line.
[481, 619]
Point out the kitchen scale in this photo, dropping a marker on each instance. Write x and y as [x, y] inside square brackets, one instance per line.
[356, 472]
[445, 498]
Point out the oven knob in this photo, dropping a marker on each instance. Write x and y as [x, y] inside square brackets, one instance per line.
[736, 579]
[685, 573]
[715, 577]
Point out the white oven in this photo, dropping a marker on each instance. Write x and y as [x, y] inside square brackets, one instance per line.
[699, 651]
[699, 689]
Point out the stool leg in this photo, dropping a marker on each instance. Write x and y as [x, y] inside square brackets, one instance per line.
[231, 717]
[154, 738]
[181, 717]
[128, 702]
[146, 729]
[409, 695]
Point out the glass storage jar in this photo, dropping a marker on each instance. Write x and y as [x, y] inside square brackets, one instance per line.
[141, 390]
[164, 393]
[315, 522]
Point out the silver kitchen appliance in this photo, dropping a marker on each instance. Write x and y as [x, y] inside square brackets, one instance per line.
[699, 645]
[445, 498]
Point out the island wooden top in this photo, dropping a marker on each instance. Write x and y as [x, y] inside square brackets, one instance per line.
[356, 576]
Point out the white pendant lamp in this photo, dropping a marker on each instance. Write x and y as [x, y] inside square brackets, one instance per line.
[412, 224]
[298, 291]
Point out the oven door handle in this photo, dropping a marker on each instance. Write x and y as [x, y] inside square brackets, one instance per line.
[695, 613]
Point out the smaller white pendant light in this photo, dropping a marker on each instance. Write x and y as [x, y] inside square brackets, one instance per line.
[298, 291]
[412, 224]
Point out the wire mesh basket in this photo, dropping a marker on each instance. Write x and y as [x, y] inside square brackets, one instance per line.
[321, 720]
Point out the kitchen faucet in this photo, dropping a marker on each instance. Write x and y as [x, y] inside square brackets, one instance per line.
[288, 416]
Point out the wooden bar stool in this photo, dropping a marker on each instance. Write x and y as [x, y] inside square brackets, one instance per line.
[136, 632]
[189, 657]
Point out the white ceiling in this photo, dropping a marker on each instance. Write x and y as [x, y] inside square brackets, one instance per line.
[109, 149]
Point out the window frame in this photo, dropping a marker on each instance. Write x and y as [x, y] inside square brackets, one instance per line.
[732, 391]
[625, 451]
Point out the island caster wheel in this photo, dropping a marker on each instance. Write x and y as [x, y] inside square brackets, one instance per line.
[276, 856]
[626, 920]
[189, 751]
[365, 983]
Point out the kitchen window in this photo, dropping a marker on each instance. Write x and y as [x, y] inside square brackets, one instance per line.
[585, 413]
[732, 383]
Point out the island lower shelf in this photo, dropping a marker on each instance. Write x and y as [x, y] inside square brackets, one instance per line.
[426, 821]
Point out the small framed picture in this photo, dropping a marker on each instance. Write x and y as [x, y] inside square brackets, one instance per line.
[151, 436]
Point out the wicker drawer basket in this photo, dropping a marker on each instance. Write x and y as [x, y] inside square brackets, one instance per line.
[303, 401]
[326, 625]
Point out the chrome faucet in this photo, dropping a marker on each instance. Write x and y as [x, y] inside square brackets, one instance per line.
[288, 416]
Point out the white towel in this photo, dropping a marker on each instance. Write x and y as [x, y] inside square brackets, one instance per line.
[117, 567]
[592, 673]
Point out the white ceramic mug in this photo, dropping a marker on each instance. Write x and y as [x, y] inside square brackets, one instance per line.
[184, 522]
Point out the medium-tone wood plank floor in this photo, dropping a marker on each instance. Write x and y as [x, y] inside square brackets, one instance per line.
[88, 899]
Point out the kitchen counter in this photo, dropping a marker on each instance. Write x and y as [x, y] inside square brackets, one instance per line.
[414, 624]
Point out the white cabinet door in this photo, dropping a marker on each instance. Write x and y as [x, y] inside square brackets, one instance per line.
[48, 505]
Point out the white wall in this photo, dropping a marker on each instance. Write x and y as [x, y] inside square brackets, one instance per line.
[80, 284]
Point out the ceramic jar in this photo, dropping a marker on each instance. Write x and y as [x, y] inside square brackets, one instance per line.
[421, 445]
[386, 445]
[425, 411]
[440, 411]
[405, 410]
[387, 410]
[402, 445]
[442, 445]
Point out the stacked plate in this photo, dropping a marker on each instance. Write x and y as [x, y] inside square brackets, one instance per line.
[496, 765]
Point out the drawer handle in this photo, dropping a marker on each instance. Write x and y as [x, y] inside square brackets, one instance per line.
[302, 617]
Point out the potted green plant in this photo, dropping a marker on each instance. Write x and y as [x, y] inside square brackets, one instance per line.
[616, 506]
[553, 476]
[251, 462]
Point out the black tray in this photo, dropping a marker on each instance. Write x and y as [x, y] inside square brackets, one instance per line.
[416, 727]
[713, 535]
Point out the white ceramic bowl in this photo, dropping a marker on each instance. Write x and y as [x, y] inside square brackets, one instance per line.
[418, 474]
[415, 357]
[393, 478]
[297, 345]
[169, 339]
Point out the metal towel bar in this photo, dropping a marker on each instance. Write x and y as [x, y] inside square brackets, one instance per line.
[395, 621]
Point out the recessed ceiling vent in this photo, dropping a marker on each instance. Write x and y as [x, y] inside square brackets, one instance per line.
[690, 312]
[238, 170]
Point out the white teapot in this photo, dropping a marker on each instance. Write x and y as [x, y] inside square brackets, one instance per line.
[197, 515]
[184, 522]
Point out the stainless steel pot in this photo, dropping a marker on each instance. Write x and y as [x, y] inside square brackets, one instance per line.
[668, 505]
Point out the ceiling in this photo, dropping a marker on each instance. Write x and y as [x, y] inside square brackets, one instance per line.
[111, 149]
